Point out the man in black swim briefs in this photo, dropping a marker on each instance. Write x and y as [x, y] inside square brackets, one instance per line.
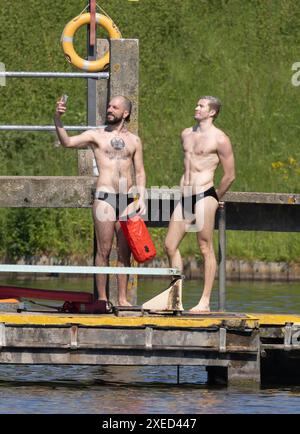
[204, 147]
[117, 151]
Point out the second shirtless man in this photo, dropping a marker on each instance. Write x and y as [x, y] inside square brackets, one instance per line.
[116, 150]
[204, 147]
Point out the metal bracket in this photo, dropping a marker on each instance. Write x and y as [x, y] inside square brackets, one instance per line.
[148, 339]
[2, 335]
[287, 336]
[74, 337]
[222, 340]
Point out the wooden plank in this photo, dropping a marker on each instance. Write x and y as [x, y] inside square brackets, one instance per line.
[114, 357]
[121, 338]
[114, 321]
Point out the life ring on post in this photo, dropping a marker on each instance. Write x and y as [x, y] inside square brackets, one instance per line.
[67, 41]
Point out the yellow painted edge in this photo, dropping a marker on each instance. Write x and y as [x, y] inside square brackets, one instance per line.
[251, 320]
[105, 320]
[276, 319]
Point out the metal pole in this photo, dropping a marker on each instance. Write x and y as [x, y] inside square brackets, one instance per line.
[47, 127]
[22, 74]
[91, 96]
[222, 256]
[91, 84]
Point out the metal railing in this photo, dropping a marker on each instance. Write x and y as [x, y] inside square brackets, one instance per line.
[48, 127]
[51, 74]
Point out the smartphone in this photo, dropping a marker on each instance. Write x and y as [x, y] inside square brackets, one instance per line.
[64, 98]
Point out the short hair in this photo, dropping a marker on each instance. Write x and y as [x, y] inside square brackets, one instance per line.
[127, 106]
[214, 104]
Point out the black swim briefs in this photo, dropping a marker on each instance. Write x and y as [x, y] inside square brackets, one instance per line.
[188, 203]
[118, 201]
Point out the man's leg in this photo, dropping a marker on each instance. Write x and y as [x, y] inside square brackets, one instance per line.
[104, 221]
[205, 219]
[176, 232]
[123, 261]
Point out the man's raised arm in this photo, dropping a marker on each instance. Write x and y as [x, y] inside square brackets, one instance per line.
[79, 141]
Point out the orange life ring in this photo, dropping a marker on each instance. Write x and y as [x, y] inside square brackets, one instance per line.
[67, 41]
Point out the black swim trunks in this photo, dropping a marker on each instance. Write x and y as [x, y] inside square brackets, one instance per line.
[119, 201]
[188, 203]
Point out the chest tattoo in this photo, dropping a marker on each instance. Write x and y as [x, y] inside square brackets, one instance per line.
[117, 143]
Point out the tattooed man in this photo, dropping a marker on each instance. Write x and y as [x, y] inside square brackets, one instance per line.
[117, 151]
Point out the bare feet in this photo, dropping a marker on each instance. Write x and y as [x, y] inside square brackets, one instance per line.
[124, 303]
[200, 308]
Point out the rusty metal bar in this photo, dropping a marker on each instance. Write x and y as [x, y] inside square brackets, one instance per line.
[92, 33]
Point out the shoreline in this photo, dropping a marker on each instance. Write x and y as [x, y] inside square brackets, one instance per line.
[239, 269]
[236, 269]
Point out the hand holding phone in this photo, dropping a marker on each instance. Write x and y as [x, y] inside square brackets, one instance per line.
[64, 98]
[61, 105]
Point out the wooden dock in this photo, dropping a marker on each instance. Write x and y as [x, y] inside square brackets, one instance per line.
[234, 347]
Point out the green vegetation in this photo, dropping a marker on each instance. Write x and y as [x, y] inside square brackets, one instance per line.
[239, 50]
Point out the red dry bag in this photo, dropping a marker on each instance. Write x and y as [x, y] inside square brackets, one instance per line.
[138, 238]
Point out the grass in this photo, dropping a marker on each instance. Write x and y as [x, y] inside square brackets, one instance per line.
[240, 51]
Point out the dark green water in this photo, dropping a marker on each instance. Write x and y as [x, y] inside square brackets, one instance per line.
[102, 390]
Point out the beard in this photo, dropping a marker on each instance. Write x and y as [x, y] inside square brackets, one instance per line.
[113, 119]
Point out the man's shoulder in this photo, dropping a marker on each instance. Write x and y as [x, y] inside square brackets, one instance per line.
[99, 130]
[134, 138]
[221, 137]
[186, 131]
[132, 135]
[97, 135]
[96, 132]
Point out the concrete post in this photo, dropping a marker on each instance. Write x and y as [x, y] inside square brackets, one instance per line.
[124, 63]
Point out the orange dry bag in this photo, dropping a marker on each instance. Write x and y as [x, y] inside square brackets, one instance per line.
[138, 238]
